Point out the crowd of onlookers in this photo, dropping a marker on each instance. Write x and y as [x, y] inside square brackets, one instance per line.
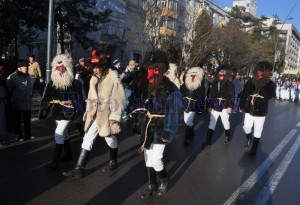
[287, 89]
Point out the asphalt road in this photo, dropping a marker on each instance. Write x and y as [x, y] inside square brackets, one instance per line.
[221, 174]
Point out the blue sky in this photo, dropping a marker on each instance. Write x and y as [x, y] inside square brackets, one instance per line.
[271, 7]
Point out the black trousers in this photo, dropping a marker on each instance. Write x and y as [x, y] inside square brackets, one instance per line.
[26, 115]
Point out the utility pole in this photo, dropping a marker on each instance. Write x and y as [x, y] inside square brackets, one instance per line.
[49, 41]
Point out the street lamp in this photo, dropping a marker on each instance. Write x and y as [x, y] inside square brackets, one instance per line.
[277, 39]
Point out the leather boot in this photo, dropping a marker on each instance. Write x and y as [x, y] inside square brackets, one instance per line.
[189, 131]
[227, 137]
[249, 141]
[152, 185]
[53, 165]
[113, 162]
[67, 153]
[78, 172]
[254, 146]
[163, 182]
[207, 143]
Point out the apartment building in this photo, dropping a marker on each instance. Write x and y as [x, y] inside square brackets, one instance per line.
[136, 26]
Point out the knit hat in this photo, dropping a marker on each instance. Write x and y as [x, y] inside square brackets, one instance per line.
[115, 62]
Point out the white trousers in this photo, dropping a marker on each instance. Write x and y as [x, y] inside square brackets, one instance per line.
[189, 118]
[153, 156]
[61, 131]
[90, 136]
[214, 115]
[257, 122]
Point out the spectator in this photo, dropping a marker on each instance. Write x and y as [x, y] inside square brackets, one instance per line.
[116, 65]
[19, 84]
[128, 78]
[237, 90]
[35, 73]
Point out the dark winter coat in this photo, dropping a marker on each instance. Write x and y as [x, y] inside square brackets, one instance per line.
[59, 112]
[166, 127]
[221, 90]
[256, 106]
[20, 88]
[197, 102]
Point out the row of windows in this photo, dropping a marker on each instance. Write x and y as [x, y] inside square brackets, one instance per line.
[169, 4]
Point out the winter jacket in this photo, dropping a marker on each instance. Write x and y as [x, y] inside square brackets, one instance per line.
[256, 105]
[167, 104]
[57, 111]
[221, 96]
[20, 87]
[194, 101]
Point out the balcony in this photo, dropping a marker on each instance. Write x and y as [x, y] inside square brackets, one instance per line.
[167, 31]
[169, 12]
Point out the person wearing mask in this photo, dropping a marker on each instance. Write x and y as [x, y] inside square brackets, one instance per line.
[61, 101]
[254, 102]
[160, 120]
[220, 103]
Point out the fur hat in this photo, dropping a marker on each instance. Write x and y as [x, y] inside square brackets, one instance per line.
[156, 57]
[263, 66]
[115, 62]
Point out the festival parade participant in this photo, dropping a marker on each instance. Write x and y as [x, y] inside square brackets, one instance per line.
[254, 102]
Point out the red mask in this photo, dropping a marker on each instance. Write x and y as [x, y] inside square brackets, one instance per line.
[193, 77]
[61, 69]
[151, 73]
[221, 77]
[259, 74]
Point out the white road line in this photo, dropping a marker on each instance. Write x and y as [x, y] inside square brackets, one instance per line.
[251, 181]
[298, 125]
[270, 186]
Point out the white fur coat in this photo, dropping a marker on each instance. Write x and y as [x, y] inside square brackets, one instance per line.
[106, 101]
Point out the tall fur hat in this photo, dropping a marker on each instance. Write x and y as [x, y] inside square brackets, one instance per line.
[263, 66]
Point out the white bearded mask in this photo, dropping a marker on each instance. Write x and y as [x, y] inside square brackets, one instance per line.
[193, 78]
[62, 74]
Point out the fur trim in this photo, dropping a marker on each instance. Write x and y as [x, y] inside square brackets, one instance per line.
[64, 81]
[115, 128]
[198, 73]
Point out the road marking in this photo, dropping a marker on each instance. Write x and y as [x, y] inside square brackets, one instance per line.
[257, 174]
[270, 186]
[298, 125]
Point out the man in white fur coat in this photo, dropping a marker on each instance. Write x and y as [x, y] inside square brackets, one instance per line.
[105, 104]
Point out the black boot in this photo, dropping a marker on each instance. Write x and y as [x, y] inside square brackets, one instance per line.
[113, 162]
[254, 146]
[207, 143]
[249, 142]
[78, 172]
[152, 185]
[227, 137]
[163, 182]
[67, 153]
[53, 165]
[189, 133]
